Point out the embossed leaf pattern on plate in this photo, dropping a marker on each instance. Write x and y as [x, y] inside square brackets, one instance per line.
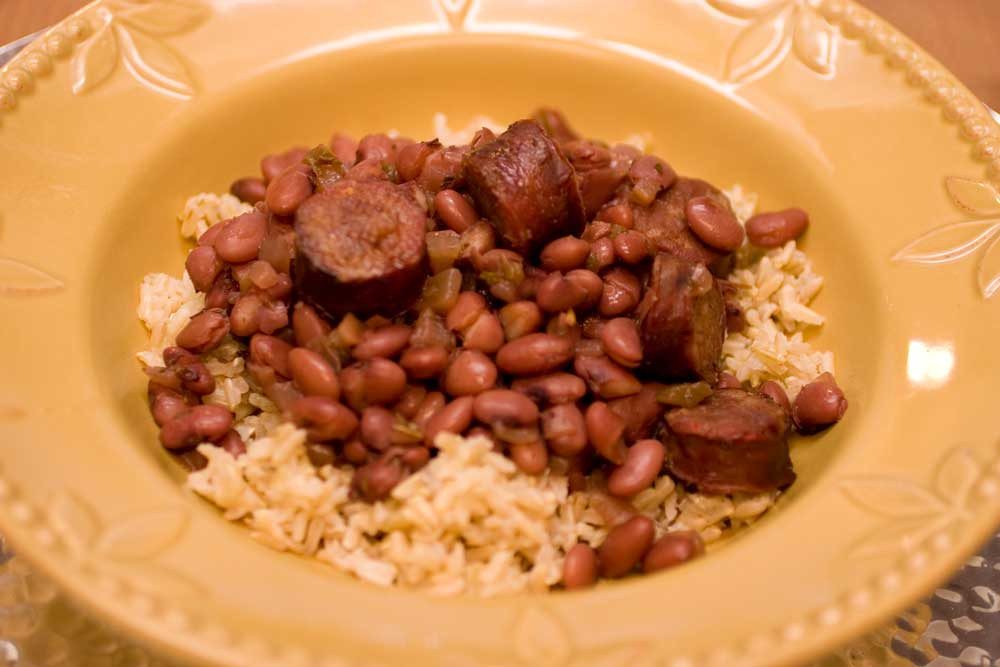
[954, 241]
[914, 513]
[775, 28]
[128, 547]
[130, 33]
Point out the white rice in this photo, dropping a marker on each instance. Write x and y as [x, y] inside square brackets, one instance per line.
[468, 522]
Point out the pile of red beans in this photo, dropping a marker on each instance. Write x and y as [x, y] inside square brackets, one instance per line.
[538, 351]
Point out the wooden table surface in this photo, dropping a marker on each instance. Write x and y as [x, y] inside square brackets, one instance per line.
[963, 34]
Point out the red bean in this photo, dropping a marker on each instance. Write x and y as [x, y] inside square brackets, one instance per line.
[424, 362]
[714, 224]
[323, 418]
[485, 334]
[203, 266]
[505, 406]
[272, 165]
[770, 230]
[239, 239]
[602, 254]
[564, 429]
[199, 424]
[271, 351]
[454, 210]
[580, 567]
[530, 457]
[673, 549]
[604, 430]
[621, 293]
[776, 393]
[620, 339]
[625, 546]
[520, 318]
[374, 382]
[534, 353]
[289, 189]
[313, 374]
[469, 373]
[604, 377]
[564, 254]
[205, 331]
[387, 342]
[554, 388]
[249, 190]
[455, 417]
[557, 294]
[819, 404]
[639, 470]
[632, 247]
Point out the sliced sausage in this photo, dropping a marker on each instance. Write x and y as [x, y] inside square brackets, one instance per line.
[360, 248]
[734, 441]
[525, 187]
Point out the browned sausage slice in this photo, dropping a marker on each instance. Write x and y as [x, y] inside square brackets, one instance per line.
[360, 248]
[665, 224]
[734, 441]
[682, 321]
[525, 187]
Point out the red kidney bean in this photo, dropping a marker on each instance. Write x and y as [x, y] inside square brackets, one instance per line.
[602, 254]
[320, 454]
[411, 158]
[534, 353]
[312, 374]
[590, 283]
[621, 293]
[580, 567]
[604, 377]
[467, 309]
[564, 429]
[307, 324]
[557, 294]
[199, 424]
[203, 266]
[455, 417]
[641, 468]
[355, 452]
[432, 403]
[424, 362]
[819, 404]
[289, 189]
[604, 430]
[239, 239]
[620, 339]
[469, 373]
[205, 331]
[323, 418]
[249, 190]
[617, 214]
[271, 351]
[345, 148]
[376, 480]
[728, 381]
[625, 546]
[776, 393]
[376, 427]
[554, 388]
[520, 318]
[454, 210]
[632, 247]
[564, 254]
[166, 404]
[530, 457]
[387, 341]
[485, 334]
[714, 224]
[233, 443]
[770, 230]
[673, 549]
[505, 406]
[374, 382]
[272, 165]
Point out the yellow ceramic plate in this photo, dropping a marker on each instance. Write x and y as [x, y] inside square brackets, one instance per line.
[111, 119]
